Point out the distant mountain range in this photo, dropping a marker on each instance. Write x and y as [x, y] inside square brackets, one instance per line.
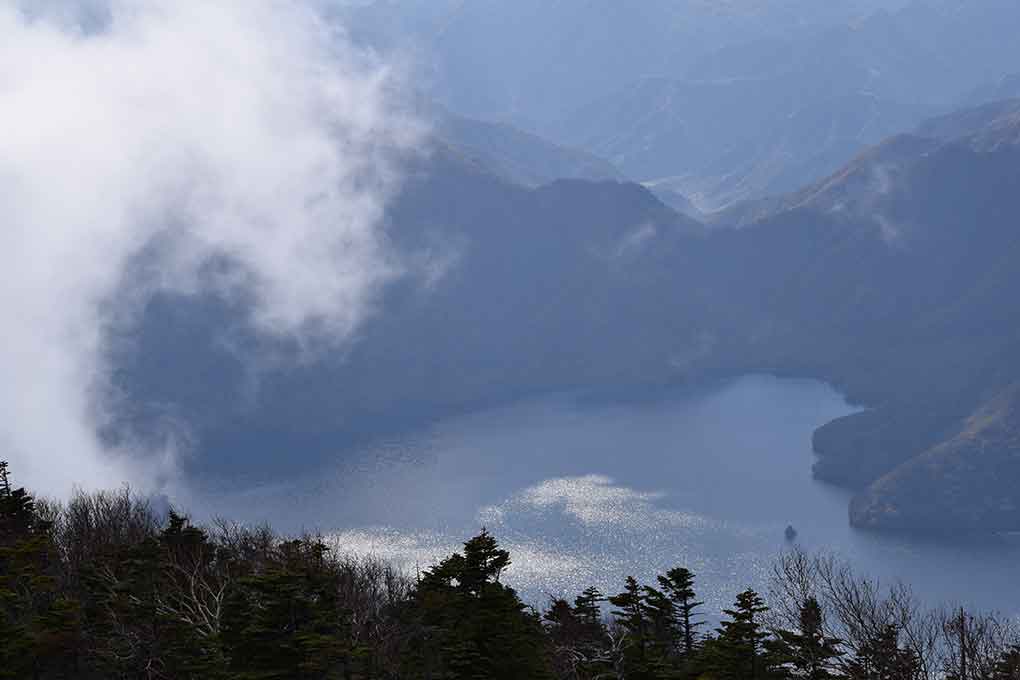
[720, 142]
[708, 103]
[768, 116]
[533, 61]
[893, 278]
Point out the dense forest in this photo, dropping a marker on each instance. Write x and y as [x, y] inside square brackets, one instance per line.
[105, 586]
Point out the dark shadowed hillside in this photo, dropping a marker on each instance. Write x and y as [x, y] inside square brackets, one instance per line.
[892, 279]
[518, 291]
[903, 297]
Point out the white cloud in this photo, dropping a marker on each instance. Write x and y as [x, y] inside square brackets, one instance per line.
[245, 133]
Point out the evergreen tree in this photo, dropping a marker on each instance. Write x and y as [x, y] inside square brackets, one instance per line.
[579, 636]
[632, 615]
[150, 607]
[472, 625]
[1008, 665]
[572, 647]
[123, 610]
[561, 621]
[284, 622]
[587, 607]
[678, 584]
[39, 625]
[881, 658]
[738, 651]
[807, 653]
[192, 590]
[663, 633]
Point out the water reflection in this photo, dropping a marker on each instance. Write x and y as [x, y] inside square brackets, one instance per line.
[585, 493]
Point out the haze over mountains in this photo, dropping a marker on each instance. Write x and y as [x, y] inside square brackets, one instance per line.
[717, 101]
[539, 237]
[648, 289]
[893, 279]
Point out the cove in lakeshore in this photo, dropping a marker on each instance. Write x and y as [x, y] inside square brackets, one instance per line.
[585, 492]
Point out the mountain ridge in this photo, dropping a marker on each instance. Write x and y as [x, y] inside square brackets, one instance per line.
[896, 290]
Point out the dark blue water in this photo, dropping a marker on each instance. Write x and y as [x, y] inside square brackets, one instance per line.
[586, 493]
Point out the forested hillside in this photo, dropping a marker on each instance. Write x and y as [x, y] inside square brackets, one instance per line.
[105, 587]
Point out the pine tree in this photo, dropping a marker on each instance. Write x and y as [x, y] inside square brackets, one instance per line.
[881, 658]
[284, 622]
[631, 616]
[561, 621]
[632, 613]
[472, 625]
[664, 633]
[579, 636]
[678, 584]
[587, 607]
[39, 625]
[738, 651]
[807, 653]
[565, 628]
[17, 566]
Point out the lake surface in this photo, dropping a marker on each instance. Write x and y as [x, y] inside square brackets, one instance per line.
[586, 492]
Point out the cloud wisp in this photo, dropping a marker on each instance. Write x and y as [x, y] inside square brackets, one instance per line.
[250, 141]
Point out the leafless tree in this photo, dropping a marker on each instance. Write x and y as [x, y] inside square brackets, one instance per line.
[972, 643]
[857, 608]
[93, 526]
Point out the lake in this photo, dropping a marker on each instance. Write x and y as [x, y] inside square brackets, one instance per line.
[585, 492]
